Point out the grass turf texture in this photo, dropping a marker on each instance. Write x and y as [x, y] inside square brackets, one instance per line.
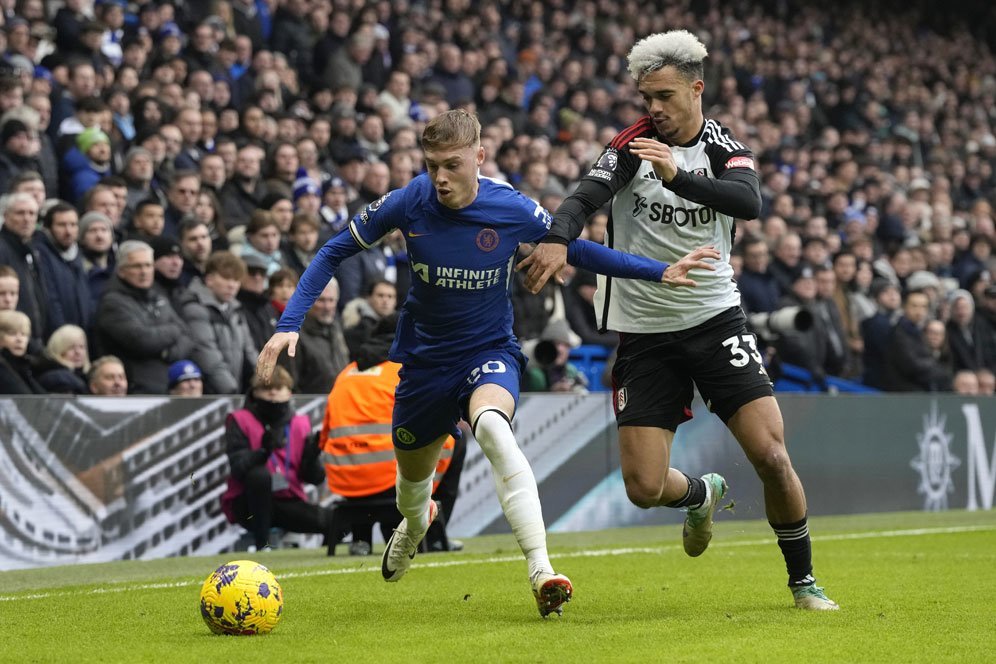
[912, 588]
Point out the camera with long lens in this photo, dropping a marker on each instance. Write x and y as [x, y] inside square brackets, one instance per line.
[772, 325]
[545, 353]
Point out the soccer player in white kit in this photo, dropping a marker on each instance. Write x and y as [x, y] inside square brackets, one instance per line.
[678, 180]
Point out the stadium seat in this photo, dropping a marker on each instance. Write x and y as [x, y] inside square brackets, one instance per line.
[591, 360]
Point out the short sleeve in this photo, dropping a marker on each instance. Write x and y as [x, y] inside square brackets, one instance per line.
[379, 218]
[538, 221]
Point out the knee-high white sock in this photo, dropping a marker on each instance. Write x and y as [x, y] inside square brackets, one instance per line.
[515, 484]
[413, 502]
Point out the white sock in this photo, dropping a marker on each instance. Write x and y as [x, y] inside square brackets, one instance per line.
[515, 484]
[413, 502]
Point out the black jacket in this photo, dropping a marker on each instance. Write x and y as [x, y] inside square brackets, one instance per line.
[259, 315]
[321, 354]
[69, 301]
[909, 364]
[142, 328]
[17, 375]
[32, 297]
[56, 378]
[238, 204]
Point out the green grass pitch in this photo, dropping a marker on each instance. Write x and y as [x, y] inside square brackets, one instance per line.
[913, 587]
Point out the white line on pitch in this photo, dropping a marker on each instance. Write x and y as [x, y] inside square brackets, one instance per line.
[913, 532]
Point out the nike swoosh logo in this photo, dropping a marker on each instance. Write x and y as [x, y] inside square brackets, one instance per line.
[411, 234]
[509, 478]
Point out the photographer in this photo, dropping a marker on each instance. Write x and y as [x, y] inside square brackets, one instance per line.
[797, 339]
[270, 454]
[551, 372]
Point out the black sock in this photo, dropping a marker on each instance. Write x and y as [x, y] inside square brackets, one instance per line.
[695, 495]
[793, 540]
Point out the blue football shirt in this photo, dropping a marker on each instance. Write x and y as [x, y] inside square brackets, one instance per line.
[461, 263]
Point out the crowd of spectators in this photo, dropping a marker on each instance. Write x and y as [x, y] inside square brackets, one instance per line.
[170, 167]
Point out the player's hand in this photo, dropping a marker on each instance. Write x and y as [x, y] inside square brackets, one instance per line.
[271, 351]
[547, 260]
[658, 154]
[676, 275]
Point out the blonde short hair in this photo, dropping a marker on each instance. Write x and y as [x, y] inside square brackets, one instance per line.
[14, 321]
[62, 339]
[452, 129]
[676, 48]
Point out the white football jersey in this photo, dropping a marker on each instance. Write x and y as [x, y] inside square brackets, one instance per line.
[648, 219]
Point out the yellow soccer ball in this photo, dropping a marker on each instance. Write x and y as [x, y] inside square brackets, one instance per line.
[241, 597]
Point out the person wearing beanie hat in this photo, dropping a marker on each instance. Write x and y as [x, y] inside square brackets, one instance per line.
[96, 233]
[167, 260]
[18, 151]
[90, 137]
[88, 220]
[334, 213]
[12, 128]
[185, 379]
[88, 162]
[307, 193]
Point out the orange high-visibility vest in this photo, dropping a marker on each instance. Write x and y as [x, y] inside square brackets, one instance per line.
[356, 433]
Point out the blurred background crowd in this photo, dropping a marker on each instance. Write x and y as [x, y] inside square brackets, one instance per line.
[170, 167]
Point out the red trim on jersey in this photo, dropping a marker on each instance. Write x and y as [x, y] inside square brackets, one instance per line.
[623, 138]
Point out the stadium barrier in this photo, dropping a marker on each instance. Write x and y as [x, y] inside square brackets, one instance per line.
[94, 479]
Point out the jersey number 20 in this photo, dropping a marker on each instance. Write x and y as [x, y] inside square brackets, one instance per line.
[491, 367]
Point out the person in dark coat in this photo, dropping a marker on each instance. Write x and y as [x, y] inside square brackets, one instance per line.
[759, 289]
[966, 333]
[61, 266]
[579, 307]
[321, 348]
[63, 366]
[260, 314]
[17, 153]
[20, 218]
[96, 241]
[136, 321]
[876, 330]
[910, 366]
[245, 190]
[16, 366]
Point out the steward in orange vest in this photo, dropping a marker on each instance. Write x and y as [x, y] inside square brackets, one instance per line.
[356, 433]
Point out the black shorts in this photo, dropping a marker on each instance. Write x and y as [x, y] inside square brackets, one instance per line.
[653, 374]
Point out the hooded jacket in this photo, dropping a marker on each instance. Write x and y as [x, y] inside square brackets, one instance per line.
[223, 347]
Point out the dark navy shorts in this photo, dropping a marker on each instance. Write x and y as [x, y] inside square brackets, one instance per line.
[430, 400]
[653, 374]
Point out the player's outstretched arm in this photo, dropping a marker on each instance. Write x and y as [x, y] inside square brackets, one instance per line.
[613, 263]
[314, 280]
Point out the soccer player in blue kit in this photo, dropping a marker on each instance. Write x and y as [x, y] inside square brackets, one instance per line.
[454, 338]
